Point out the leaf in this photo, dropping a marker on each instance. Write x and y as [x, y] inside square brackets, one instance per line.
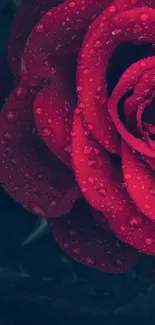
[40, 230]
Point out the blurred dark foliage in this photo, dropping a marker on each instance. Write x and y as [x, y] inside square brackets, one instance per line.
[3, 4]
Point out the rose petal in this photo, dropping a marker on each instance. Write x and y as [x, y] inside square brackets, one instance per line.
[25, 19]
[80, 237]
[101, 181]
[99, 44]
[69, 21]
[139, 78]
[139, 180]
[53, 111]
[29, 172]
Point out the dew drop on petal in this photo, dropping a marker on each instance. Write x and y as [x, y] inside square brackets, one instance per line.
[84, 189]
[46, 132]
[112, 8]
[11, 116]
[76, 250]
[8, 136]
[144, 17]
[97, 43]
[147, 206]
[39, 28]
[72, 232]
[102, 191]
[21, 91]
[72, 4]
[116, 31]
[148, 241]
[135, 221]
[89, 261]
[127, 176]
[91, 180]
[38, 110]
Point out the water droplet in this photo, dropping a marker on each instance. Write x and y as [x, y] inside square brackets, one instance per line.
[97, 43]
[122, 228]
[92, 163]
[52, 202]
[73, 232]
[46, 132]
[127, 176]
[72, 4]
[39, 28]
[14, 161]
[84, 190]
[90, 180]
[116, 32]
[135, 221]
[36, 209]
[21, 91]
[147, 206]
[90, 261]
[90, 127]
[86, 150]
[68, 149]
[85, 71]
[8, 150]
[144, 17]
[112, 8]
[28, 176]
[38, 110]
[49, 13]
[91, 51]
[8, 136]
[79, 88]
[23, 70]
[102, 191]
[148, 241]
[76, 250]
[11, 116]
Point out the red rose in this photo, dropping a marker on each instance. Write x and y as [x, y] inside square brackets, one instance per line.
[54, 129]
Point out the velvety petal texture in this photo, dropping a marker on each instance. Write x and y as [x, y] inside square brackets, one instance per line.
[69, 131]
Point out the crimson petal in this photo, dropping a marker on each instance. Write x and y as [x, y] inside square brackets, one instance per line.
[58, 29]
[100, 42]
[82, 239]
[53, 111]
[139, 180]
[101, 181]
[26, 17]
[29, 172]
[140, 78]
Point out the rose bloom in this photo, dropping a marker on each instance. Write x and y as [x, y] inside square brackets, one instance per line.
[78, 129]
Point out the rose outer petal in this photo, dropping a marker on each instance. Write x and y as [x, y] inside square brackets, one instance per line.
[28, 14]
[29, 172]
[100, 178]
[57, 30]
[83, 240]
[53, 111]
